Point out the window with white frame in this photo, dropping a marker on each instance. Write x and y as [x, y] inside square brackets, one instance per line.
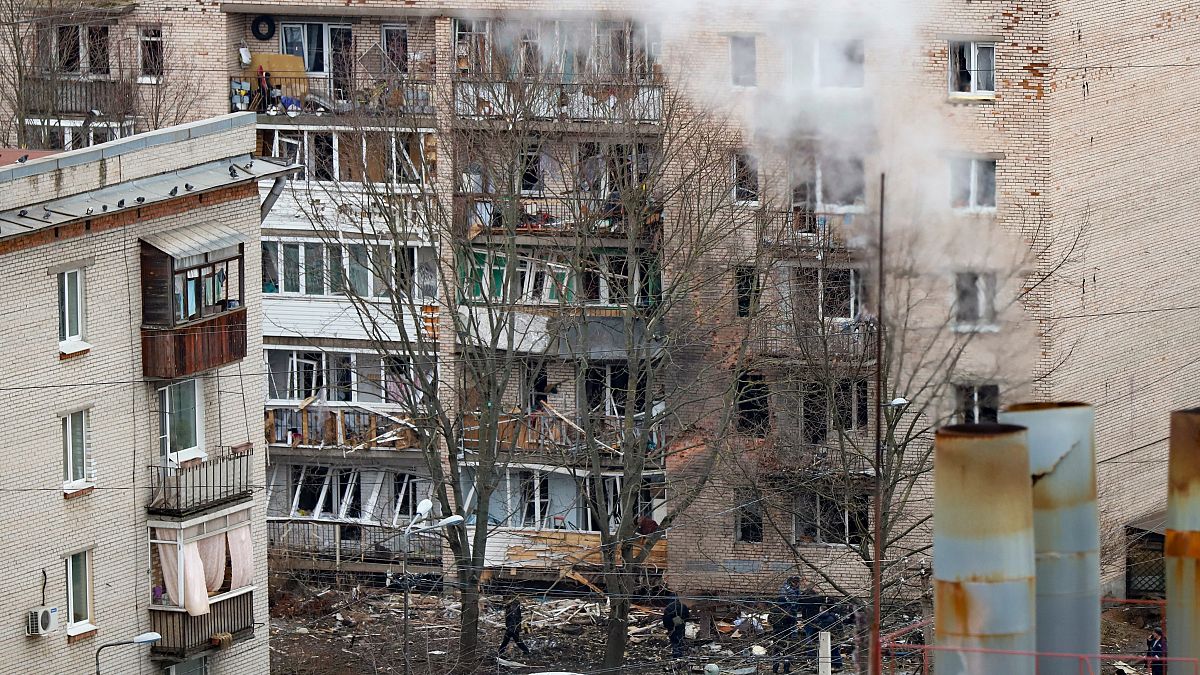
[71, 295]
[181, 432]
[193, 564]
[827, 293]
[77, 469]
[972, 68]
[975, 299]
[371, 156]
[827, 513]
[328, 493]
[743, 60]
[325, 47]
[407, 492]
[350, 377]
[196, 666]
[828, 63]
[72, 134]
[973, 183]
[79, 593]
[745, 178]
[472, 46]
[80, 49]
[312, 267]
[394, 39]
[150, 54]
[977, 403]
[533, 280]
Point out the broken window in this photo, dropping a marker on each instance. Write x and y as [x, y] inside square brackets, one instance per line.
[814, 413]
[150, 53]
[748, 283]
[395, 48]
[972, 67]
[310, 489]
[472, 48]
[832, 514]
[974, 303]
[529, 51]
[321, 159]
[532, 176]
[537, 386]
[843, 181]
[841, 296]
[751, 400]
[840, 63]
[745, 178]
[607, 390]
[973, 183]
[803, 177]
[977, 403]
[749, 523]
[850, 402]
[743, 60]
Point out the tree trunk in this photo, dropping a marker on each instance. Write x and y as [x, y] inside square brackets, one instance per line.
[618, 619]
[468, 637]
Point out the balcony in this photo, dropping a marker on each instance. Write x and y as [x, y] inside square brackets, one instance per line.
[545, 432]
[338, 426]
[194, 347]
[184, 635]
[358, 93]
[549, 98]
[835, 342]
[198, 485]
[314, 544]
[804, 229]
[550, 217]
[54, 95]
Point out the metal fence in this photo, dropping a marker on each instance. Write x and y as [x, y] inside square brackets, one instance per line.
[197, 485]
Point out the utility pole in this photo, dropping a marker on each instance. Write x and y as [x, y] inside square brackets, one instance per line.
[877, 557]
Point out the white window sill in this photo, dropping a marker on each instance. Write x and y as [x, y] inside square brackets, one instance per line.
[749, 205]
[975, 210]
[71, 487]
[212, 599]
[970, 97]
[80, 628]
[70, 347]
[976, 328]
[148, 79]
[188, 455]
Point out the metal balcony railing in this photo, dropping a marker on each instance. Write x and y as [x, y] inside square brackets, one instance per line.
[552, 97]
[184, 635]
[347, 542]
[359, 93]
[804, 228]
[53, 94]
[832, 341]
[201, 484]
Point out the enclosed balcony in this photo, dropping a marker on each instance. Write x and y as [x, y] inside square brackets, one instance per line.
[184, 635]
[193, 290]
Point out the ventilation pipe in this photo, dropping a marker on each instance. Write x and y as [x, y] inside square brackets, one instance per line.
[1066, 531]
[1182, 549]
[983, 555]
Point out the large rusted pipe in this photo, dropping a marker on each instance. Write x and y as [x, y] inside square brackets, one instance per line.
[1066, 530]
[983, 561]
[1182, 548]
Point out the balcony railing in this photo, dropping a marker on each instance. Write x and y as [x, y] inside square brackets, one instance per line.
[201, 484]
[184, 635]
[546, 432]
[53, 95]
[320, 425]
[291, 540]
[548, 98]
[806, 229]
[194, 347]
[296, 93]
[550, 216]
[834, 341]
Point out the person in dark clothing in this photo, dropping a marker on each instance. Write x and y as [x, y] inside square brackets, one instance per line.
[1156, 648]
[512, 626]
[783, 625]
[675, 616]
[828, 621]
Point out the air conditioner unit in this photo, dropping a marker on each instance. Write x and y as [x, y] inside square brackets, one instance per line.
[41, 621]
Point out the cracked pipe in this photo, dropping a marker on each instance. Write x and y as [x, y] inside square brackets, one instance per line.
[983, 560]
[1182, 548]
[1066, 530]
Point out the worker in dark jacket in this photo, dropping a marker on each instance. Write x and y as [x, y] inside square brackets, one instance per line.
[1156, 648]
[675, 616]
[783, 625]
[512, 626]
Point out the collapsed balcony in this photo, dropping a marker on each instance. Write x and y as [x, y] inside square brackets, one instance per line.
[348, 546]
[321, 425]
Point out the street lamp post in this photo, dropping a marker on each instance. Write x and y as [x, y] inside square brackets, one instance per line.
[143, 639]
[423, 510]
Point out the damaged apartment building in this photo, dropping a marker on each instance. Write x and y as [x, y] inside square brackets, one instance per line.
[474, 227]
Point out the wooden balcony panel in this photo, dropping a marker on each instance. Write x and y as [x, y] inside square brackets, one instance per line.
[194, 347]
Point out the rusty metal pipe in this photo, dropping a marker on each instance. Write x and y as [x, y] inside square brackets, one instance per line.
[983, 555]
[1066, 530]
[1182, 547]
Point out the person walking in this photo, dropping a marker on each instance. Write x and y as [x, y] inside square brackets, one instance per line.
[783, 626]
[512, 626]
[675, 616]
[1156, 648]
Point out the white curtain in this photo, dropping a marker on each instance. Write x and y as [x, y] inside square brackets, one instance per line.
[168, 558]
[195, 594]
[212, 554]
[241, 555]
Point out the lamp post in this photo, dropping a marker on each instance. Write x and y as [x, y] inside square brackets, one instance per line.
[143, 639]
[423, 510]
